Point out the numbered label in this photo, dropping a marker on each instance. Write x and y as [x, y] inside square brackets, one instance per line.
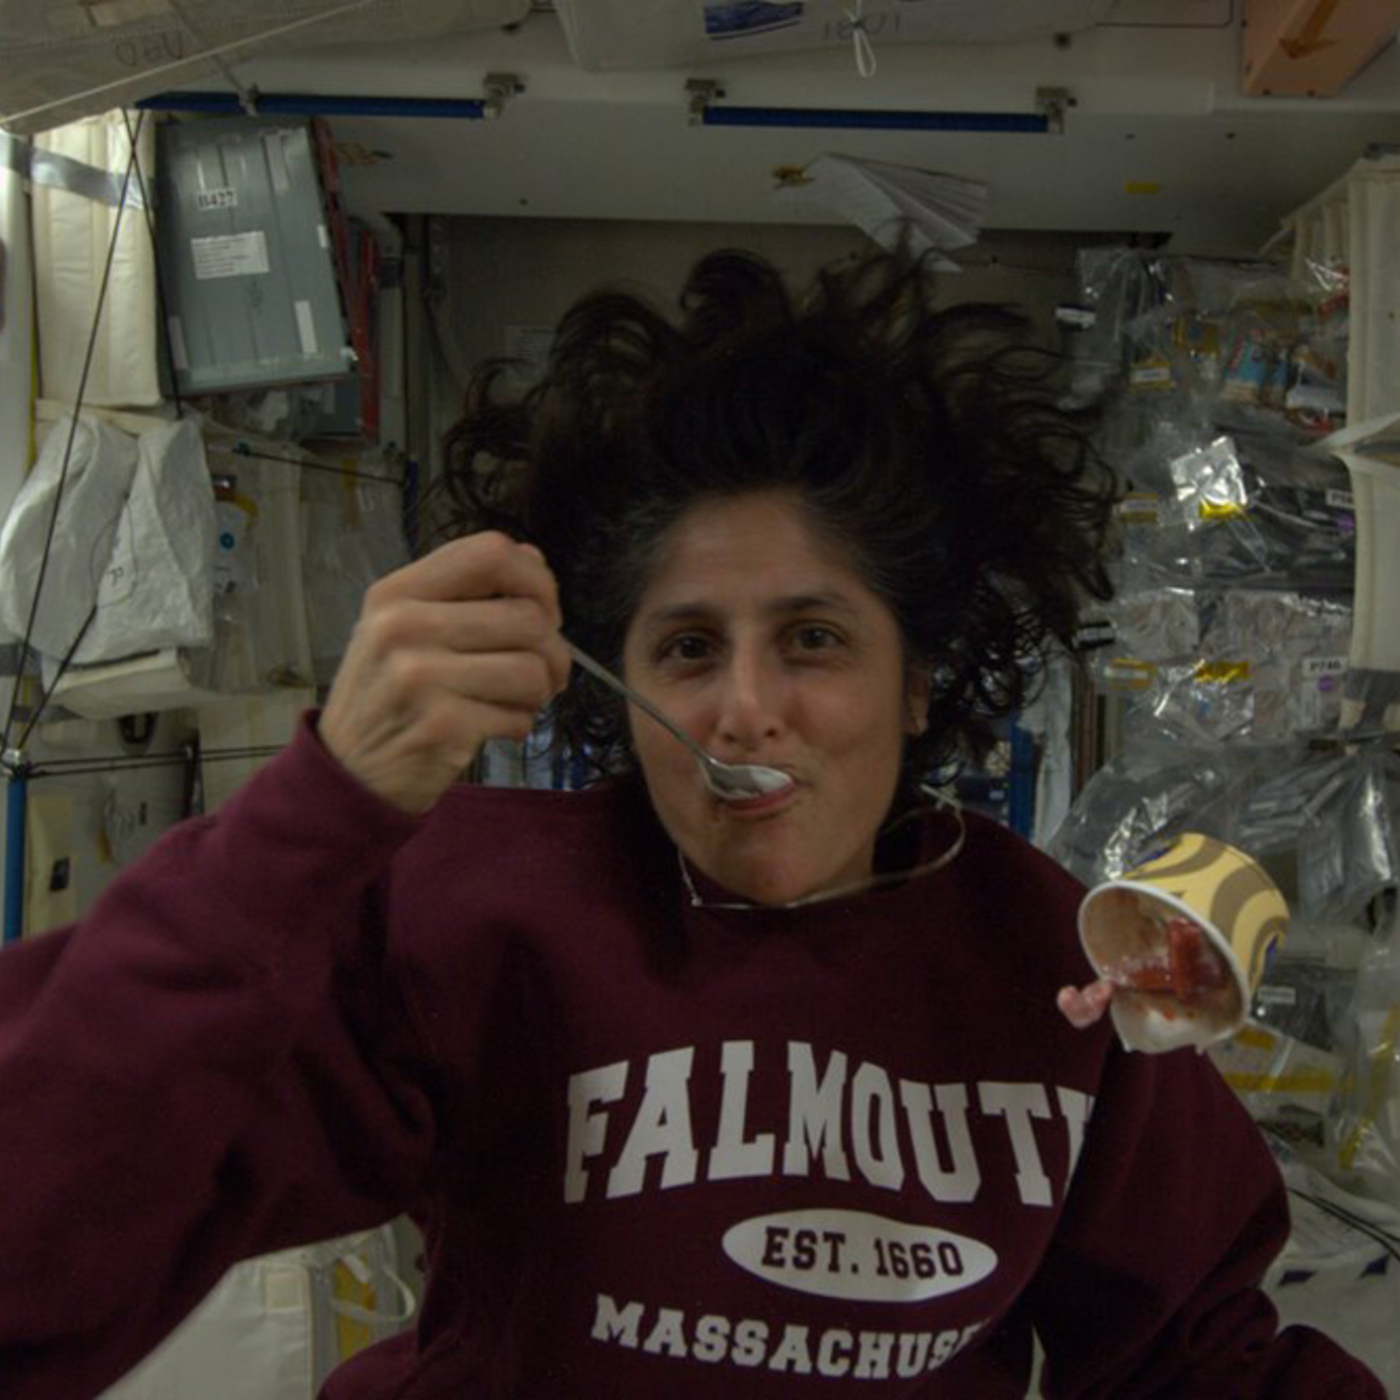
[226, 198]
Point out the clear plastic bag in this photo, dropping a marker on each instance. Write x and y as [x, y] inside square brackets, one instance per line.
[1155, 624]
[1295, 648]
[1239, 509]
[1203, 702]
[1209, 484]
[354, 535]
[1125, 810]
[1289, 1086]
[1367, 1128]
[1118, 288]
[1333, 813]
[262, 632]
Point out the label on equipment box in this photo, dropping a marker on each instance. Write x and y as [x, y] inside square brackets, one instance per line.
[230, 255]
[206, 200]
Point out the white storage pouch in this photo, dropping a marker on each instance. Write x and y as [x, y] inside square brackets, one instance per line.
[276, 1326]
[134, 539]
[75, 221]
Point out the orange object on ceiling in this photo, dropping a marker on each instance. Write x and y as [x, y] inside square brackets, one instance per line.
[1312, 48]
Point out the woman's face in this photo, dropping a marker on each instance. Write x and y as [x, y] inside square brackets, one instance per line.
[756, 635]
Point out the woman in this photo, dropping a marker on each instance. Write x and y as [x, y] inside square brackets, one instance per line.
[691, 1096]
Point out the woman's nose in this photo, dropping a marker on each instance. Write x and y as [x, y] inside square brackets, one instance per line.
[750, 701]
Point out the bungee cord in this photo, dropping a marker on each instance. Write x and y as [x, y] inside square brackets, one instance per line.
[162, 314]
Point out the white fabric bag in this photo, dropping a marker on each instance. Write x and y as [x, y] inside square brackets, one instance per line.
[134, 539]
[74, 225]
[1355, 223]
[1371, 451]
[158, 590]
[101, 468]
[16, 324]
[276, 1326]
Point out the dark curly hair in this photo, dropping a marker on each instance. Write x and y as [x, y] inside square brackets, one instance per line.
[935, 446]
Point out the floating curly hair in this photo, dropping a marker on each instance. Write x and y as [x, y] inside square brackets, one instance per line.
[935, 446]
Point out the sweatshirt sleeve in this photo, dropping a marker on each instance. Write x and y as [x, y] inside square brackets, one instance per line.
[1151, 1288]
[212, 1064]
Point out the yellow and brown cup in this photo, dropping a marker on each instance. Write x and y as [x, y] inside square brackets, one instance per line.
[1227, 895]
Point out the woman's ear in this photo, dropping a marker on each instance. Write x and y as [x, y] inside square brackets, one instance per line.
[918, 686]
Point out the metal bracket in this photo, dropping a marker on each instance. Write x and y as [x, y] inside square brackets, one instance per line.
[499, 89]
[248, 97]
[700, 92]
[1053, 103]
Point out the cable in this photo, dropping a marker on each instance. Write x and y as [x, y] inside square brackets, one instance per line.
[161, 303]
[135, 763]
[988, 261]
[63, 666]
[241, 449]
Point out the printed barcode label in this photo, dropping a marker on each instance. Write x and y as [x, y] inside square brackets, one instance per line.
[1138, 509]
[1315, 667]
[1128, 674]
[1152, 376]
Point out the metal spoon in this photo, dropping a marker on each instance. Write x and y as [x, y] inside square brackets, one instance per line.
[732, 781]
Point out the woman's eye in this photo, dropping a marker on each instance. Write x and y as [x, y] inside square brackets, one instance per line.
[688, 647]
[814, 636]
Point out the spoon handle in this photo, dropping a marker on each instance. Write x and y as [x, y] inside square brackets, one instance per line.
[594, 668]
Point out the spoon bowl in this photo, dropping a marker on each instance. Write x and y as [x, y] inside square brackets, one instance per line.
[734, 782]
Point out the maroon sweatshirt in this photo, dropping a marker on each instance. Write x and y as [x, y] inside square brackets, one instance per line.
[657, 1150]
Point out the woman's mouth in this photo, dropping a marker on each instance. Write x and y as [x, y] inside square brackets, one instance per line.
[761, 802]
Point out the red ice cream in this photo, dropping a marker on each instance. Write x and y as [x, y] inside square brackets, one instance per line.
[1182, 968]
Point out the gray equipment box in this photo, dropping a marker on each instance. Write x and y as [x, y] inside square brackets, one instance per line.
[247, 259]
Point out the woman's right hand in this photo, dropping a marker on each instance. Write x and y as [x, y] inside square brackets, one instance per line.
[458, 647]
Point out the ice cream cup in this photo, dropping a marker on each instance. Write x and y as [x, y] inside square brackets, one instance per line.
[1236, 905]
